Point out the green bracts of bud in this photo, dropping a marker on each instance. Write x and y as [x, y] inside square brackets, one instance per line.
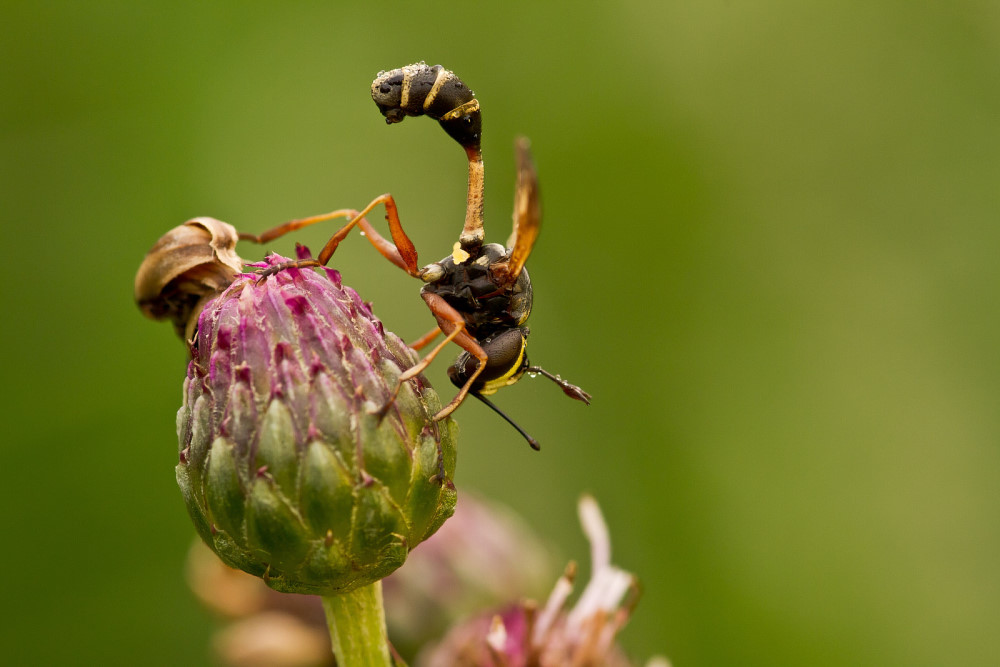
[284, 468]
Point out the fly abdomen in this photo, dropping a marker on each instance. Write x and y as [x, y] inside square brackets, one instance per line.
[419, 89]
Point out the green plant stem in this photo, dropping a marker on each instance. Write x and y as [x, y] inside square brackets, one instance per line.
[357, 627]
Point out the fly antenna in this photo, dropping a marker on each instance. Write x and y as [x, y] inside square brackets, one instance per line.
[531, 441]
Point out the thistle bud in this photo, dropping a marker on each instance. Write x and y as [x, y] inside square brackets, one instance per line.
[285, 469]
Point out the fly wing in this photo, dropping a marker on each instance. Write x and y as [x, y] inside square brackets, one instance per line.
[527, 211]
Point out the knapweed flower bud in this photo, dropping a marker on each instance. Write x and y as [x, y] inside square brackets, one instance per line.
[555, 634]
[285, 469]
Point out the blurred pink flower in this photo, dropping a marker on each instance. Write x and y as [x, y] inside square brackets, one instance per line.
[555, 634]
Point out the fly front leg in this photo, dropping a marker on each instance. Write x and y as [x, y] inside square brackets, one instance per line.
[278, 268]
[426, 339]
[400, 251]
[299, 223]
[452, 324]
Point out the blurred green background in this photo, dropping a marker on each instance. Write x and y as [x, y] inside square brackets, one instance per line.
[769, 252]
